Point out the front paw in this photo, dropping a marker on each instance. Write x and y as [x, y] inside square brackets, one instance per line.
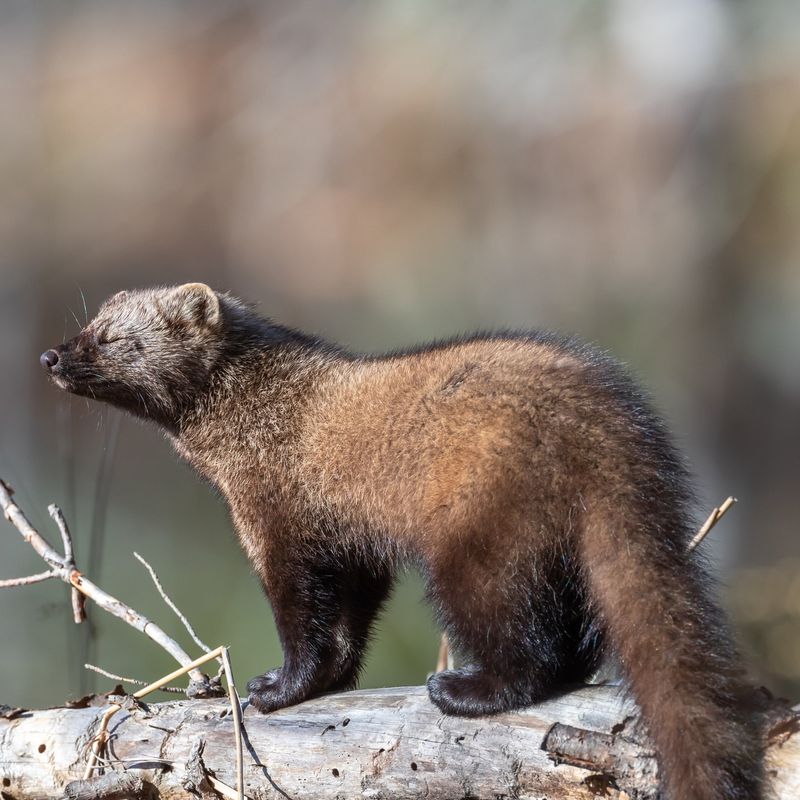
[274, 690]
[265, 682]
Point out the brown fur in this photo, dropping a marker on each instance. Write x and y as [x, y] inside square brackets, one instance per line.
[524, 474]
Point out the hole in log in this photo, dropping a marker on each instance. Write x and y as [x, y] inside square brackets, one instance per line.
[345, 722]
[414, 765]
[600, 784]
[335, 772]
[42, 748]
[6, 781]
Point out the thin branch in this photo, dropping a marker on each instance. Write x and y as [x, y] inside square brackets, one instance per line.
[78, 606]
[713, 518]
[14, 515]
[165, 597]
[66, 537]
[134, 681]
[38, 578]
[70, 575]
[63, 567]
[78, 600]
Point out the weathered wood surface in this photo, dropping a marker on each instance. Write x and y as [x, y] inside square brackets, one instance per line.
[380, 743]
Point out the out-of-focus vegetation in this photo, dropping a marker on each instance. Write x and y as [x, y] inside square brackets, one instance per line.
[382, 173]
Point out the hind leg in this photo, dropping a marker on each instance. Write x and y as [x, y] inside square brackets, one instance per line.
[520, 639]
[490, 684]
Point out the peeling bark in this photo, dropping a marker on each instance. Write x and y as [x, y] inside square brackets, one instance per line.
[379, 743]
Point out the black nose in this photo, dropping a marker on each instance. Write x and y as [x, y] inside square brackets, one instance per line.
[48, 359]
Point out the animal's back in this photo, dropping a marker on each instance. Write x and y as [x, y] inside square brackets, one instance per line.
[434, 440]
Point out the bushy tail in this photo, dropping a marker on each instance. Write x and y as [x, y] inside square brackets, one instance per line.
[675, 648]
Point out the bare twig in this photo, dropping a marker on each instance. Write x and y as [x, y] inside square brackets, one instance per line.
[70, 575]
[78, 606]
[713, 518]
[134, 681]
[14, 515]
[78, 600]
[38, 578]
[63, 567]
[66, 537]
[134, 619]
[166, 598]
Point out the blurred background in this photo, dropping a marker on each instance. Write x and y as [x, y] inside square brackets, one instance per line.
[382, 173]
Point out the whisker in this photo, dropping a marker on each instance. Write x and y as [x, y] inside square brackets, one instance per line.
[77, 321]
[83, 300]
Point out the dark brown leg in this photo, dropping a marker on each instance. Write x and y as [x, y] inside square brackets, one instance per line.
[323, 615]
[522, 635]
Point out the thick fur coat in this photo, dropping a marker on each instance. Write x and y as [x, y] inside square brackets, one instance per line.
[524, 475]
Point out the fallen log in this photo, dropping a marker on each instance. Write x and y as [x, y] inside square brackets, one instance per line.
[375, 743]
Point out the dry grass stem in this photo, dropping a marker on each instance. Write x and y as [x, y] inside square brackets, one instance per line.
[445, 659]
[100, 739]
[101, 736]
[236, 710]
[224, 789]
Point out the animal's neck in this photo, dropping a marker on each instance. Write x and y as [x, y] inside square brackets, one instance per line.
[248, 420]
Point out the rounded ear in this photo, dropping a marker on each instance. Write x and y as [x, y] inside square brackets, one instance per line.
[198, 304]
[118, 297]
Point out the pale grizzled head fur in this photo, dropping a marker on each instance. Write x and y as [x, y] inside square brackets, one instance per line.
[148, 351]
